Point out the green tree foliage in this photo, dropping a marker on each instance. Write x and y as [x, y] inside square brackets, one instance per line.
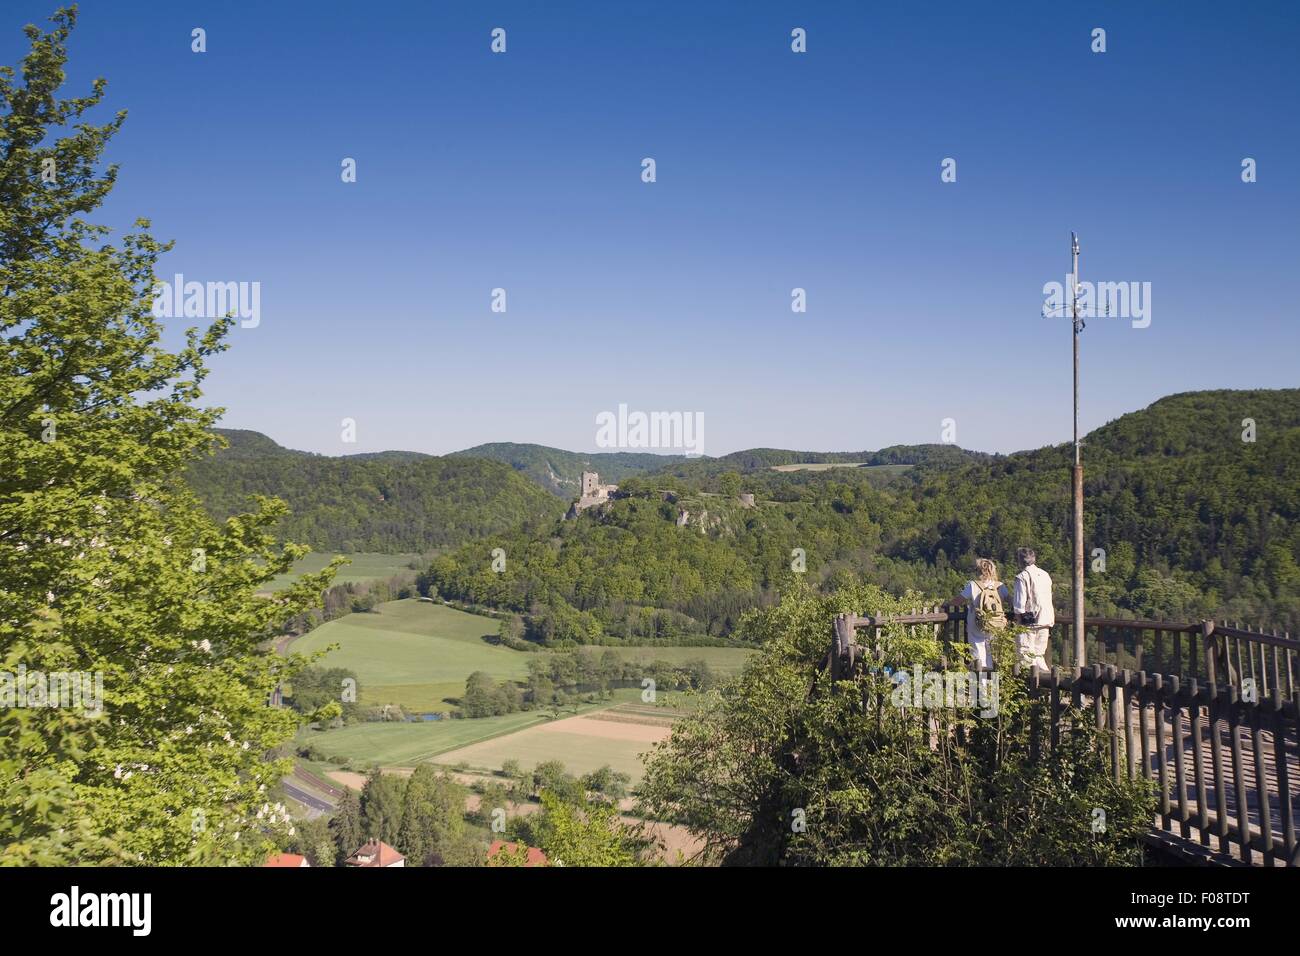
[314, 840]
[315, 687]
[696, 470]
[1193, 521]
[422, 817]
[390, 503]
[582, 832]
[107, 564]
[729, 484]
[549, 776]
[346, 827]
[768, 773]
[509, 855]
[608, 783]
[382, 806]
[560, 472]
[492, 796]
[433, 831]
[353, 597]
[584, 670]
[484, 697]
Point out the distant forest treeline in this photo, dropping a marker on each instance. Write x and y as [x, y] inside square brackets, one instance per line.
[391, 502]
[1192, 519]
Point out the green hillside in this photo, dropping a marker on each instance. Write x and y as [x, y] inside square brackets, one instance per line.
[392, 502]
[759, 459]
[1193, 522]
[560, 472]
[414, 653]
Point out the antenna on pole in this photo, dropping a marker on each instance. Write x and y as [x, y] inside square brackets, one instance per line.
[1078, 324]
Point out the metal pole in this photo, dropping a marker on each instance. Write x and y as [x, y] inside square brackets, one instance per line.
[1080, 653]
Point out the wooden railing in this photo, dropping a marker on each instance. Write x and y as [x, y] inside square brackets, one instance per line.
[1257, 664]
[1210, 717]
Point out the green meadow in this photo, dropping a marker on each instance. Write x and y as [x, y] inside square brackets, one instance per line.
[362, 569]
[397, 743]
[414, 653]
[727, 661]
[417, 654]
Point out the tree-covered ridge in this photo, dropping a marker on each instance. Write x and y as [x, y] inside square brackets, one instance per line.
[1200, 423]
[633, 570]
[1206, 527]
[560, 471]
[761, 459]
[1192, 519]
[391, 502]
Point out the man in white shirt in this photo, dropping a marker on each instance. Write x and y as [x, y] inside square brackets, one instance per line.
[1033, 609]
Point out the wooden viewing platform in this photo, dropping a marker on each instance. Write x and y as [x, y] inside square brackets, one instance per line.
[1206, 711]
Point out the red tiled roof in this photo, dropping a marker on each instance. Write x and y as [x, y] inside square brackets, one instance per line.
[535, 856]
[286, 859]
[377, 852]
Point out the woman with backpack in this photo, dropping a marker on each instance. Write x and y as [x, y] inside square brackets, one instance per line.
[984, 599]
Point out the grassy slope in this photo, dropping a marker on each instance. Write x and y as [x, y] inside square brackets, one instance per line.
[723, 660]
[414, 653]
[418, 655]
[362, 568]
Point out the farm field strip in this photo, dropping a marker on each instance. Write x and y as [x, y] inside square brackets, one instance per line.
[404, 744]
[364, 568]
[582, 743]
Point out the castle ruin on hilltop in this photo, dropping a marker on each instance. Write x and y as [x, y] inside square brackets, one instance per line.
[593, 493]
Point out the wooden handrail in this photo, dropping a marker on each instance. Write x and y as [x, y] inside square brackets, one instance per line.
[1118, 623]
[1223, 764]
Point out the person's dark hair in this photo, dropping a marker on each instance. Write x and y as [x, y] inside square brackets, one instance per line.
[1025, 557]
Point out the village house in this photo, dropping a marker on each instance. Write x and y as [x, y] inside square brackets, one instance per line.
[376, 853]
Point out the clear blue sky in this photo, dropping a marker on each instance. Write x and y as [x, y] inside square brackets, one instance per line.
[775, 170]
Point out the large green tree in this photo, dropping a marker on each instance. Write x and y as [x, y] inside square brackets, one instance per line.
[382, 806]
[432, 832]
[346, 827]
[107, 564]
[766, 772]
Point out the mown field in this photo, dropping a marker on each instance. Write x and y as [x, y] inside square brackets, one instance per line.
[617, 737]
[585, 737]
[362, 569]
[414, 653]
[726, 661]
[401, 744]
[417, 654]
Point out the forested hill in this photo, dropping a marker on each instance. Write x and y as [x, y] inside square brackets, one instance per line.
[1192, 519]
[390, 502]
[1201, 422]
[762, 459]
[560, 471]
